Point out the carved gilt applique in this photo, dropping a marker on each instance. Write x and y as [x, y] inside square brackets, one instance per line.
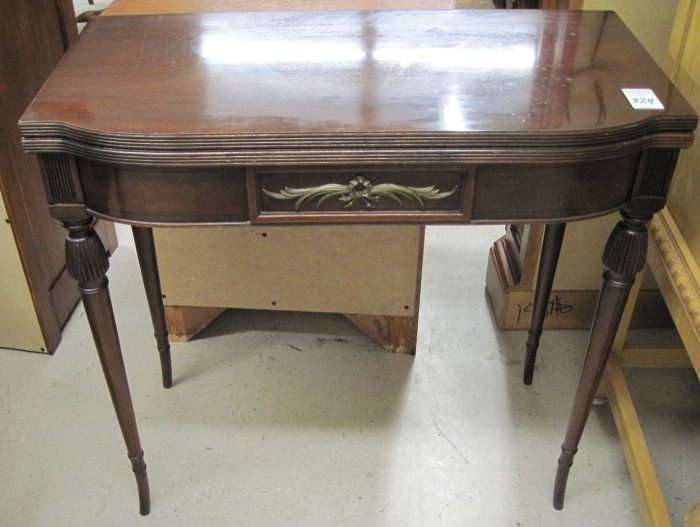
[360, 189]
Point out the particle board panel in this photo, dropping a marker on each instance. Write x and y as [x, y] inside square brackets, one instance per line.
[325, 268]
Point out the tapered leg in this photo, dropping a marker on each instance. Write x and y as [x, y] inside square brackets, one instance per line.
[146, 251]
[624, 257]
[551, 247]
[87, 262]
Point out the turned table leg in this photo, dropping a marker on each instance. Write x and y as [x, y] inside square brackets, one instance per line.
[624, 257]
[86, 260]
[551, 247]
[146, 251]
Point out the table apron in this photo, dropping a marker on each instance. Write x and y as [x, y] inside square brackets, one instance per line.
[391, 193]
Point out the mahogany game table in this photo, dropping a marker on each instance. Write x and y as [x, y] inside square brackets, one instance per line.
[297, 118]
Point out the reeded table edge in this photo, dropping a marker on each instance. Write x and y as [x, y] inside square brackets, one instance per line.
[368, 147]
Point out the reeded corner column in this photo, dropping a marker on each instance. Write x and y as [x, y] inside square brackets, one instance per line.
[624, 257]
[87, 262]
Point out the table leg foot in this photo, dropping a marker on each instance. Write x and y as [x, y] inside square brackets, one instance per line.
[566, 460]
[531, 347]
[166, 365]
[138, 465]
[551, 248]
[146, 252]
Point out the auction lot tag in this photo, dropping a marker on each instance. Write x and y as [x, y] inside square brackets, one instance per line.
[642, 99]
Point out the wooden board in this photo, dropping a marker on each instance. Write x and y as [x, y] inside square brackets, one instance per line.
[314, 268]
[639, 460]
[185, 322]
[395, 334]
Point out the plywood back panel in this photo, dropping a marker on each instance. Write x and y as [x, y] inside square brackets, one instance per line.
[326, 268]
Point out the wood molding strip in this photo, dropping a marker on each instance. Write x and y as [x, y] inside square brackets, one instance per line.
[638, 458]
[677, 275]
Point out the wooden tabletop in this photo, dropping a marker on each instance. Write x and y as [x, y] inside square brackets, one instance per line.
[479, 77]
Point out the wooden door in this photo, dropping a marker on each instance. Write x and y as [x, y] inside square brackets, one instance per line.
[33, 37]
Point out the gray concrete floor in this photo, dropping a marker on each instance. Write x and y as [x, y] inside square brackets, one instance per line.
[300, 419]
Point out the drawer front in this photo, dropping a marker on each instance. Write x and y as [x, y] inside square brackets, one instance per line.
[362, 195]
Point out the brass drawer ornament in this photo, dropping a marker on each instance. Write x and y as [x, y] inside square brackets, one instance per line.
[359, 189]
